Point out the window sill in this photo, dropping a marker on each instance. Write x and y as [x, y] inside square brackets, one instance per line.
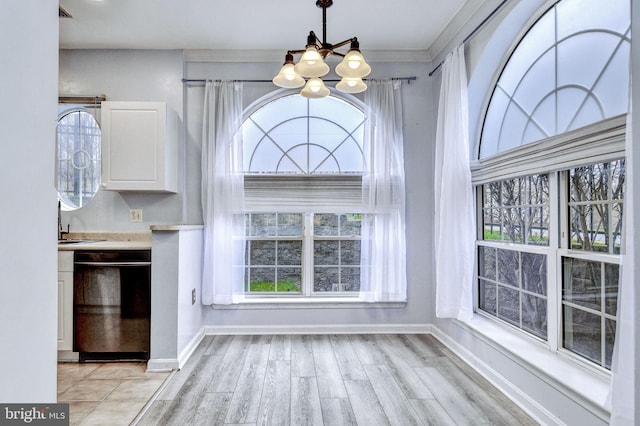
[310, 303]
[587, 385]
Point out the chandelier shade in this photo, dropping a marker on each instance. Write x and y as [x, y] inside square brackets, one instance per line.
[351, 85]
[287, 77]
[315, 88]
[353, 65]
[312, 64]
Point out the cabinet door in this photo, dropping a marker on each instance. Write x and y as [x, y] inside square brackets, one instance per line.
[138, 147]
[65, 300]
[65, 311]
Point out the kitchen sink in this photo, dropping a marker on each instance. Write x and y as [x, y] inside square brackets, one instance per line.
[73, 241]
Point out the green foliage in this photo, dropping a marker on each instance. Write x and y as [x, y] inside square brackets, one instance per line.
[269, 286]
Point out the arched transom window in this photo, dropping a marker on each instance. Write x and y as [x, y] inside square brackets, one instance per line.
[570, 70]
[296, 135]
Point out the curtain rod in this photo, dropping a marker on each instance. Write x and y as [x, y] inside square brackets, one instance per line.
[185, 80]
[475, 30]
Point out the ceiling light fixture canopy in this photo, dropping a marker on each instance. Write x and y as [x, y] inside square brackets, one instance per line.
[312, 66]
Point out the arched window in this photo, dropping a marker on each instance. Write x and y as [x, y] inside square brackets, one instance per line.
[550, 179]
[296, 135]
[303, 164]
[78, 158]
[570, 70]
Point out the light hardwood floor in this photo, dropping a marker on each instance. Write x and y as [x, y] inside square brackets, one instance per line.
[368, 380]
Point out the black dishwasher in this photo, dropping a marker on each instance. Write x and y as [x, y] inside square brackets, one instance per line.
[112, 304]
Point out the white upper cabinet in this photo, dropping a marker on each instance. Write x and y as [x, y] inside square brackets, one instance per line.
[139, 147]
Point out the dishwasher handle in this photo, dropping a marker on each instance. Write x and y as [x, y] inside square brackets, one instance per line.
[113, 264]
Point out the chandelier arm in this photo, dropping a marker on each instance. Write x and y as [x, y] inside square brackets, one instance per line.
[343, 43]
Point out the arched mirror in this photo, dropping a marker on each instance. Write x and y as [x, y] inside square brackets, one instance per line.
[77, 158]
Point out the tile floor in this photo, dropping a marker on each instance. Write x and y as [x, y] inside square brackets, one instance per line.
[106, 393]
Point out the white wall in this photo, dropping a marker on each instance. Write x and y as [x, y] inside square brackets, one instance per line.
[28, 255]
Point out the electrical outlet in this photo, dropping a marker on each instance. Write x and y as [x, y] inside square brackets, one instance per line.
[135, 215]
[193, 296]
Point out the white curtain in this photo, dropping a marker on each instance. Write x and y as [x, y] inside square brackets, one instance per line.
[383, 253]
[222, 194]
[622, 391]
[454, 229]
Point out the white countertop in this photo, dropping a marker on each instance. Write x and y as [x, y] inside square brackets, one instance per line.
[107, 241]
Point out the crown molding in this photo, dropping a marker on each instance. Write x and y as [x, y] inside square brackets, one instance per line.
[218, 55]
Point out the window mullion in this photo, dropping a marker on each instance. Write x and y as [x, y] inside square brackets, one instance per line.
[557, 228]
[307, 254]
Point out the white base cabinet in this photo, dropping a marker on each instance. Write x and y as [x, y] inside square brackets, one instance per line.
[139, 147]
[65, 300]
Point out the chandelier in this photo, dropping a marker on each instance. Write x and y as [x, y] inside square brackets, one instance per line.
[312, 66]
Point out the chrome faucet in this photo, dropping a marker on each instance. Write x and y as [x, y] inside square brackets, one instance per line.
[61, 232]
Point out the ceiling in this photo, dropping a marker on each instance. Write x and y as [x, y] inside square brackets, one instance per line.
[259, 24]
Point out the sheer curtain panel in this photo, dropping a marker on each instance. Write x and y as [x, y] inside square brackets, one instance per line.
[222, 194]
[383, 252]
[454, 211]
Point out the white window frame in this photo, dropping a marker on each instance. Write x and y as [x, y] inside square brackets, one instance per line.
[307, 239]
[308, 194]
[600, 142]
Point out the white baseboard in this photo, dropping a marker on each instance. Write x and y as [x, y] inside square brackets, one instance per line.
[158, 365]
[318, 329]
[155, 365]
[186, 353]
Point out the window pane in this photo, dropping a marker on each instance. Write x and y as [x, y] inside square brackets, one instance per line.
[263, 224]
[350, 252]
[514, 224]
[534, 315]
[509, 305]
[487, 262]
[611, 277]
[325, 252]
[289, 253]
[293, 135]
[78, 158]
[289, 224]
[350, 224]
[350, 279]
[487, 296]
[582, 332]
[508, 267]
[289, 280]
[262, 253]
[325, 279]
[596, 206]
[610, 336]
[492, 224]
[262, 279]
[538, 226]
[534, 273]
[582, 283]
[325, 224]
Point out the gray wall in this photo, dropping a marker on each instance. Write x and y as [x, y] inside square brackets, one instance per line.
[141, 75]
[485, 56]
[156, 76]
[418, 125]
[28, 285]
